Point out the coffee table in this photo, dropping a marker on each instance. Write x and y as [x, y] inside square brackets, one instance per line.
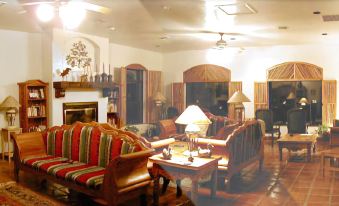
[179, 167]
[298, 142]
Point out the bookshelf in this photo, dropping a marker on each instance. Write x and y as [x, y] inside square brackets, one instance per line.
[33, 98]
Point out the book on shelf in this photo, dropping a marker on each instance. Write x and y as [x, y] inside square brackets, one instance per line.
[36, 93]
[36, 111]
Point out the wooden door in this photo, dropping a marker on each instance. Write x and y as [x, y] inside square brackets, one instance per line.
[233, 87]
[329, 100]
[154, 85]
[260, 95]
[178, 96]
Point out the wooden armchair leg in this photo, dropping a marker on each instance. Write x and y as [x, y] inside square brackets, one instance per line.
[179, 191]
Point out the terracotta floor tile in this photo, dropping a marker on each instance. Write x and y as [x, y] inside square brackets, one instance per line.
[319, 199]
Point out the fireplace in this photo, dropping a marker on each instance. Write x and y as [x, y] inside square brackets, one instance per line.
[80, 111]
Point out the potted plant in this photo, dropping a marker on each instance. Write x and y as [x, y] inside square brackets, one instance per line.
[323, 132]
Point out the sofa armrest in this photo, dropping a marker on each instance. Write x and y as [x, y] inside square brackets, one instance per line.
[162, 143]
[29, 144]
[127, 170]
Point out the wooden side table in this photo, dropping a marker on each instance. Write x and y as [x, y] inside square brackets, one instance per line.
[177, 168]
[6, 137]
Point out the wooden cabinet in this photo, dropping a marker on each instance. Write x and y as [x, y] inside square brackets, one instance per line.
[33, 98]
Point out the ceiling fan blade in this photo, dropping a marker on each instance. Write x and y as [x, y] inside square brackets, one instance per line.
[95, 7]
[37, 3]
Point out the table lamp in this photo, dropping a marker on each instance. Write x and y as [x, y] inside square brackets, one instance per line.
[303, 101]
[238, 98]
[11, 106]
[193, 116]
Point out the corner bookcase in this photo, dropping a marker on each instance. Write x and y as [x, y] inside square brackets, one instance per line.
[33, 98]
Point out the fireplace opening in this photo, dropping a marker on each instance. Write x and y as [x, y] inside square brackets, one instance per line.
[80, 111]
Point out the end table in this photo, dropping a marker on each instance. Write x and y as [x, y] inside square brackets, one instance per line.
[6, 137]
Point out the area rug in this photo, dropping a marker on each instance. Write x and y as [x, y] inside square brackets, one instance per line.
[12, 194]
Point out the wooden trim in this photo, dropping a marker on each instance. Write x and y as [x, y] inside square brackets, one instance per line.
[207, 73]
[329, 101]
[260, 95]
[123, 73]
[178, 96]
[154, 85]
[136, 67]
[297, 71]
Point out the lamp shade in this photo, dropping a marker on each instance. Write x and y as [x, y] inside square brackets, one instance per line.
[158, 97]
[193, 115]
[10, 103]
[238, 97]
[291, 95]
[303, 101]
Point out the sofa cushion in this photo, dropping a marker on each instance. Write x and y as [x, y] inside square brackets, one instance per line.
[43, 162]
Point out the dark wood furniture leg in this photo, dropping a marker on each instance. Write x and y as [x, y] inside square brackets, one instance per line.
[165, 185]
[280, 151]
[179, 191]
[214, 183]
[156, 185]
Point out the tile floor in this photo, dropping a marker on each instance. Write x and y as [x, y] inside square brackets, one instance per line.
[293, 182]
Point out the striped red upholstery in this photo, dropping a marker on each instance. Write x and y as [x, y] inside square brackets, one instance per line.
[81, 153]
[81, 173]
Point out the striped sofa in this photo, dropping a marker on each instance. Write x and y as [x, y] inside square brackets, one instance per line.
[98, 160]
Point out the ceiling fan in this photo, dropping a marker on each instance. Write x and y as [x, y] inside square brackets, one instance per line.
[221, 44]
[58, 3]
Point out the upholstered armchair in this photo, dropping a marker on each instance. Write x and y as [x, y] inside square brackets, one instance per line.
[272, 129]
[296, 121]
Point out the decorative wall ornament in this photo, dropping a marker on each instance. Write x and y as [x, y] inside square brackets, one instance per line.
[78, 57]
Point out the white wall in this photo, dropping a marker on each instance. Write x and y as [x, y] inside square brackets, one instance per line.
[20, 60]
[250, 65]
[60, 43]
[123, 55]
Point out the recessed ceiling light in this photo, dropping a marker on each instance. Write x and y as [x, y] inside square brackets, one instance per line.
[157, 46]
[324, 34]
[112, 28]
[166, 8]
[282, 27]
[316, 12]
[232, 38]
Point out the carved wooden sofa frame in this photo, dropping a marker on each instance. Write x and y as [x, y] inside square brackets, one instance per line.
[241, 148]
[126, 176]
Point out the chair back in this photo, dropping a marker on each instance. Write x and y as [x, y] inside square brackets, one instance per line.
[296, 121]
[167, 128]
[336, 123]
[267, 116]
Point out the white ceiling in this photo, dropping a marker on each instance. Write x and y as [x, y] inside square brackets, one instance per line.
[193, 24]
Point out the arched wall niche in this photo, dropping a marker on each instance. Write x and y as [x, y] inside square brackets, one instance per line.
[92, 48]
[207, 73]
[298, 71]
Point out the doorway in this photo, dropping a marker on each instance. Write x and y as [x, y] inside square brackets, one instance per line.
[134, 96]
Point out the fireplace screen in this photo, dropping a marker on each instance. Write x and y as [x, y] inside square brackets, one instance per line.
[80, 111]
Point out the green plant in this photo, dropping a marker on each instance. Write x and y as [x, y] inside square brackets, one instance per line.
[323, 132]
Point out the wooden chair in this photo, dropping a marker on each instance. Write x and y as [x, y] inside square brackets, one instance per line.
[168, 129]
[334, 134]
[271, 128]
[296, 121]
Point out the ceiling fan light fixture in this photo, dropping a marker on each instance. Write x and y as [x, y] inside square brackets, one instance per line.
[221, 44]
[45, 12]
[72, 15]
